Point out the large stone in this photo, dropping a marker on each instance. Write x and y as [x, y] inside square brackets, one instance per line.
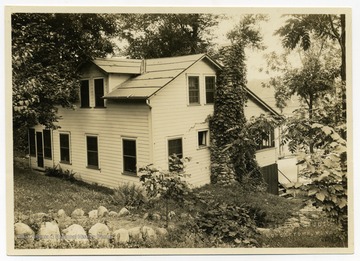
[100, 234]
[49, 233]
[124, 212]
[93, 214]
[161, 231]
[61, 213]
[102, 211]
[156, 216]
[121, 236]
[113, 214]
[23, 233]
[76, 235]
[148, 233]
[135, 233]
[77, 213]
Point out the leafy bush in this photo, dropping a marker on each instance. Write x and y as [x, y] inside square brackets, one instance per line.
[166, 185]
[58, 172]
[129, 195]
[266, 209]
[228, 224]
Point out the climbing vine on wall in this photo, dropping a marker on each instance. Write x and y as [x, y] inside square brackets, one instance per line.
[232, 153]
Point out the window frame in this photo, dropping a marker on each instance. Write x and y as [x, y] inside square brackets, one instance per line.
[207, 139]
[188, 76]
[127, 172]
[81, 98]
[94, 88]
[97, 151]
[205, 90]
[32, 142]
[47, 148]
[69, 148]
[271, 141]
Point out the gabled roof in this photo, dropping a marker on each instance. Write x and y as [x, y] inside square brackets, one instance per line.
[118, 65]
[157, 73]
[260, 102]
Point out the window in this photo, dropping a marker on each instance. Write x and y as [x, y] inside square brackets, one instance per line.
[267, 140]
[175, 147]
[210, 89]
[84, 94]
[65, 148]
[92, 151]
[32, 148]
[202, 139]
[47, 144]
[99, 93]
[129, 155]
[194, 97]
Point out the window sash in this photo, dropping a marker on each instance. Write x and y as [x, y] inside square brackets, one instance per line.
[194, 90]
[65, 148]
[175, 147]
[269, 142]
[47, 144]
[129, 156]
[84, 94]
[32, 146]
[92, 151]
[210, 89]
[202, 138]
[99, 92]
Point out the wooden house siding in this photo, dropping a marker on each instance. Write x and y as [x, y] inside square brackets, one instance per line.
[172, 117]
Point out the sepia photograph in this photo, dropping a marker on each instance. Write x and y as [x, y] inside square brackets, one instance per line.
[179, 130]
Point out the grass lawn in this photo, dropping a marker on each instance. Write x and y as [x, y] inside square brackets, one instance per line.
[34, 192]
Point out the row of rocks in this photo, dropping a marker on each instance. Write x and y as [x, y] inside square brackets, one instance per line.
[301, 219]
[94, 214]
[99, 234]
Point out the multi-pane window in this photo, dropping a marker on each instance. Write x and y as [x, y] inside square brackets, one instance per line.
[47, 144]
[175, 147]
[129, 155]
[84, 94]
[202, 139]
[210, 88]
[267, 140]
[194, 92]
[99, 92]
[92, 151]
[32, 148]
[64, 147]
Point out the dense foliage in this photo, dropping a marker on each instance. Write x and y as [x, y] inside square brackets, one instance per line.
[166, 35]
[46, 52]
[232, 152]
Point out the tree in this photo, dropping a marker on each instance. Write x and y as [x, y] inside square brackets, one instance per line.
[232, 152]
[299, 29]
[166, 35]
[46, 52]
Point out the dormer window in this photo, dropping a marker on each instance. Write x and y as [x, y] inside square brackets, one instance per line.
[84, 94]
[99, 93]
[209, 89]
[194, 90]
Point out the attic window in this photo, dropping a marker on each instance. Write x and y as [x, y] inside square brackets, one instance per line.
[99, 93]
[84, 94]
[194, 94]
[210, 89]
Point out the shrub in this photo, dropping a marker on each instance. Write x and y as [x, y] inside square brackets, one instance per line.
[58, 172]
[228, 224]
[166, 185]
[129, 195]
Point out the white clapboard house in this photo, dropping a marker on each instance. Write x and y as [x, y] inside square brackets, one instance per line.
[135, 112]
